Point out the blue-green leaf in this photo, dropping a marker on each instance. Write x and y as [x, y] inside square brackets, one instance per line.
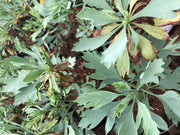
[111, 54]
[14, 84]
[102, 73]
[150, 74]
[160, 122]
[97, 17]
[171, 81]
[25, 94]
[98, 3]
[96, 99]
[92, 43]
[33, 75]
[171, 103]
[125, 125]
[159, 9]
[149, 125]
[91, 118]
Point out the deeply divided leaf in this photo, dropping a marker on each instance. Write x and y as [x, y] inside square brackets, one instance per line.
[91, 118]
[116, 49]
[159, 9]
[92, 43]
[171, 100]
[97, 17]
[98, 4]
[125, 125]
[150, 74]
[102, 73]
[96, 99]
[171, 81]
[14, 84]
[149, 125]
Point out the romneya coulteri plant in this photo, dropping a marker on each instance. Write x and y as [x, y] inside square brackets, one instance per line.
[133, 78]
[36, 82]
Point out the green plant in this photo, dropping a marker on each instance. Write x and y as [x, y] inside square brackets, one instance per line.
[35, 78]
[117, 106]
[40, 77]
[121, 16]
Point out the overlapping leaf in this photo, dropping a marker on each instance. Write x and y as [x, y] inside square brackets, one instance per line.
[163, 22]
[159, 9]
[147, 50]
[102, 73]
[33, 75]
[92, 43]
[123, 64]
[116, 49]
[125, 125]
[149, 125]
[171, 100]
[155, 31]
[96, 99]
[171, 81]
[160, 122]
[91, 118]
[98, 4]
[15, 83]
[150, 74]
[25, 94]
[98, 17]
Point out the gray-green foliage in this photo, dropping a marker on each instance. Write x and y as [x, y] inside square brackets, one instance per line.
[33, 81]
[151, 75]
[105, 15]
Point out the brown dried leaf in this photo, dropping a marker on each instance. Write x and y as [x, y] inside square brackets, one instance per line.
[61, 66]
[136, 57]
[138, 5]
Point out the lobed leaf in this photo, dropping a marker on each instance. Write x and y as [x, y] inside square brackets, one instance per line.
[149, 125]
[170, 49]
[96, 99]
[159, 9]
[171, 100]
[125, 125]
[22, 48]
[23, 62]
[25, 94]
[111, 54]
[92, 43]
[102, 73]
[14, 84]
[98, 4]
[97, 17]
[91, 118]
[122, 105]
[150, 74]
[171, 81]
